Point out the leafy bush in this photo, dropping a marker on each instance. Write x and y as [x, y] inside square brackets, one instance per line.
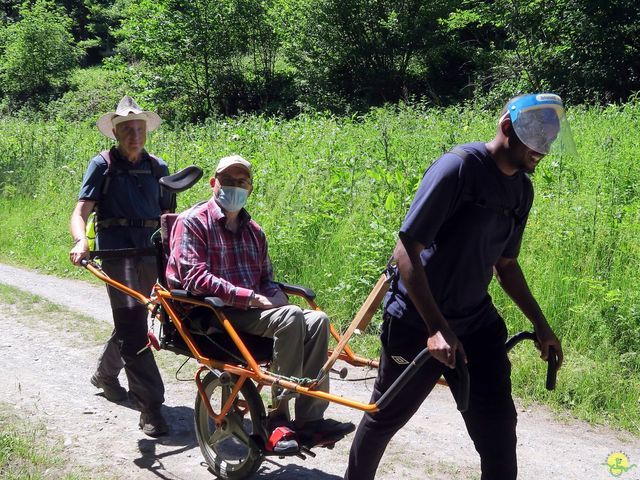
[37, 56]
[92, 92]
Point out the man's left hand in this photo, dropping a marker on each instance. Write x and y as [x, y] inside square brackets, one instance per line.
[546, 339]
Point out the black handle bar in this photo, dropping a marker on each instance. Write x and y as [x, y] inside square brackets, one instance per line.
[552, 361]
[461, 396]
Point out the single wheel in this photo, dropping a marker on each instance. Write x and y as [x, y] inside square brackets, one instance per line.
[231, 451]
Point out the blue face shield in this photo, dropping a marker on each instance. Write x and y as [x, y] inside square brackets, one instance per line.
[540, 122]
[232, 199]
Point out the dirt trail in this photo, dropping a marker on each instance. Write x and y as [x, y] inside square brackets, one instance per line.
[45, 367]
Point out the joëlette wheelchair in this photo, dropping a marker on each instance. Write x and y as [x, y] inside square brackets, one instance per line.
[230, 418]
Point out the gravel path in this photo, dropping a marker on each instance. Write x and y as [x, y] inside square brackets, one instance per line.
[46, 362]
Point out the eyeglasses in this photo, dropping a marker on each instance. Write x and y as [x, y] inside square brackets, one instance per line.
[229, 181]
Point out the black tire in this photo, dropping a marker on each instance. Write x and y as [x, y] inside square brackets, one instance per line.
[233, 451]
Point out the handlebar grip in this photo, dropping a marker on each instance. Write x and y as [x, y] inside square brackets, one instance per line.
[84, 262]
[552, 360]
[552, 369]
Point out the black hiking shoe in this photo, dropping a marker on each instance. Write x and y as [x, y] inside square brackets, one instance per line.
[323, 432]
[113, 391]
[153, 424]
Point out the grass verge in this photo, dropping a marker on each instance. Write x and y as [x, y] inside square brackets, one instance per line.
[27, 451]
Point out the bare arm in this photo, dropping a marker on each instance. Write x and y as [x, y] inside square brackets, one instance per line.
[442, 342]
[77, 227]
[511, 279]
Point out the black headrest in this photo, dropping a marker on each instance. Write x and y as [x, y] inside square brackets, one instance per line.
[181, 180]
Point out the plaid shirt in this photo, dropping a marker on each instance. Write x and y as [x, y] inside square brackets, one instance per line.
[207, 259]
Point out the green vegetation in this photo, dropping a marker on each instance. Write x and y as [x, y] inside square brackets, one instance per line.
[193, 60]
[38, 52]
[24, 453]
[331, 193]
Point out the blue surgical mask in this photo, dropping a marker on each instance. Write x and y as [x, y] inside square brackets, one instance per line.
[232, 199]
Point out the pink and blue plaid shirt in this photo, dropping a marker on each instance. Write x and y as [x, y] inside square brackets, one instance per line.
[207, 259]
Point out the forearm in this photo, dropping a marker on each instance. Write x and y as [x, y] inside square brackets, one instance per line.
[415, 280]
[77, 224]
[199, 281]
[511, 279]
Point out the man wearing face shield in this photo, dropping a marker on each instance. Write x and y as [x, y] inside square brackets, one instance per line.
[217, 249]
[464, 226]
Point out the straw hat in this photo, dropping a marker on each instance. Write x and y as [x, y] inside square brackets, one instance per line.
[126, 110]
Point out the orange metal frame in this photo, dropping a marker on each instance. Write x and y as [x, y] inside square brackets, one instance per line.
[253, 370]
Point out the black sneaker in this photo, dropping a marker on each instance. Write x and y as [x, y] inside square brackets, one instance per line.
[113, 391]
[323, 432]
[153, 424]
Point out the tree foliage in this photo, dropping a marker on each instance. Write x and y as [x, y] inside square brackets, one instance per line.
[38, 52]
[195, 59]
[587, 50]
[374, 51]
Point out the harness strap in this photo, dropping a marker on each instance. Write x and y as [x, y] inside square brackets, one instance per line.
[481, 202]
[128, 222]
[156, 170]
[123, 253]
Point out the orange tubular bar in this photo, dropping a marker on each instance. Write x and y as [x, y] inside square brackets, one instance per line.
[219, 417]
[123, 288]
[254, 372]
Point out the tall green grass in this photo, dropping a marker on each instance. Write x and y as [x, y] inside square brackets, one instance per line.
[331, 194]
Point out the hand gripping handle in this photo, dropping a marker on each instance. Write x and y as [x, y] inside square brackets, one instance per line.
[552, 360]
[461, 396]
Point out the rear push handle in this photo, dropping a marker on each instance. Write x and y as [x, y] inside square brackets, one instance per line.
[461, 395]
[552, 361]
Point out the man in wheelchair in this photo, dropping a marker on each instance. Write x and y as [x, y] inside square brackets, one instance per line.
[217, 249]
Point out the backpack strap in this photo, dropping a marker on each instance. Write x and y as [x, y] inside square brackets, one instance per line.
[106, 155]
[481, 202]
[156, 170]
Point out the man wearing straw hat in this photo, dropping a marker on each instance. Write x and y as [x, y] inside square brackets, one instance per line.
[121, 185]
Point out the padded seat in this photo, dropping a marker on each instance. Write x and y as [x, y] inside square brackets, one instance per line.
[219, 346]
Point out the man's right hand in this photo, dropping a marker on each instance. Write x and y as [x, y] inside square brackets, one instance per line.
[79, 251]
[443, 346]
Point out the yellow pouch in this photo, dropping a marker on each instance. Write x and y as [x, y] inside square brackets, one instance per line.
[90, 231]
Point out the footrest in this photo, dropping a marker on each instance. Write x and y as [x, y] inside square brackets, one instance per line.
[282, 441]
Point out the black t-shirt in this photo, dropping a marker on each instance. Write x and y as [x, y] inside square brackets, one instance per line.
[468, 214]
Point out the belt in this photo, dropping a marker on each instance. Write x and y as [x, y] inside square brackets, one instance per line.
[128, 222]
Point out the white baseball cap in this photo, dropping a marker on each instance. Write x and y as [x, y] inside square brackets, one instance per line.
[233, 160]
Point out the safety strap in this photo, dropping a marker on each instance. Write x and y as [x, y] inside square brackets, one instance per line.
[128, 222]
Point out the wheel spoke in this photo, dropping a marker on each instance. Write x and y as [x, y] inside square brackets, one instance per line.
[217, 436]
[236, 428]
